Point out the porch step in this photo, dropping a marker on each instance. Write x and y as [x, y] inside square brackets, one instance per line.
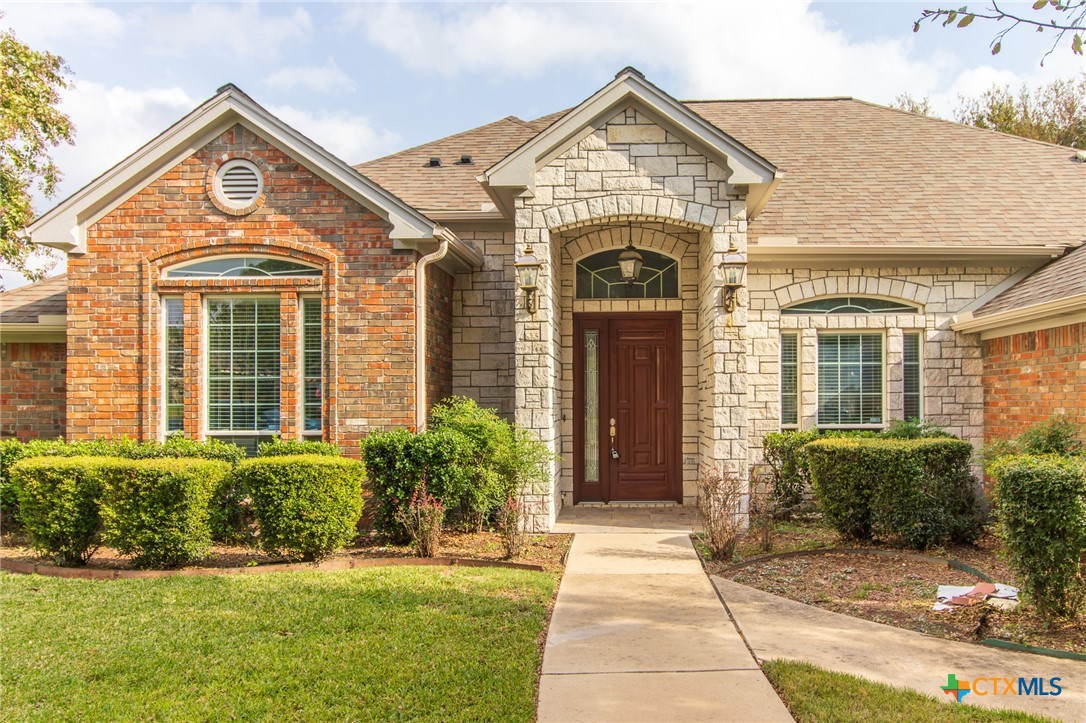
[614, 505]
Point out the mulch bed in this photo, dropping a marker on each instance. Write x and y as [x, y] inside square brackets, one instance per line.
[898, 591]
[547, 551]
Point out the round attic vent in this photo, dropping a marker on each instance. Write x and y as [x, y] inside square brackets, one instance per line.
[238, 183]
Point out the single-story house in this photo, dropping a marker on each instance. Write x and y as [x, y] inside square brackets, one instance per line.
[649, 285]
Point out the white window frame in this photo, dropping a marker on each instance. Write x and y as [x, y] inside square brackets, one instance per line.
[919, 370]
[163, 376]
[319, 433]
[205, 372]
[799, 379]
[882, 361]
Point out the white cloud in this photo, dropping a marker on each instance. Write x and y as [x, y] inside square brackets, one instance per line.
[111, 122]
[710, 49]
[321, 78]
[351, 137]
[47, 25]
[243, 31]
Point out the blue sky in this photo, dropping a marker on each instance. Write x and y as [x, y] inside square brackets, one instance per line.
[369, 79]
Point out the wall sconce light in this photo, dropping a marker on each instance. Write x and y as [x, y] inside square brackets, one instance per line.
[527, 268]
[734, 267]
[630, 261]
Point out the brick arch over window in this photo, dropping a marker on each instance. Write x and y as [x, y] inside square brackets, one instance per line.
[208, 248]
[619, 209]
[892, 289]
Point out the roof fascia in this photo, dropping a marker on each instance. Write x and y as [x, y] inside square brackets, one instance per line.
[772, 255]
[518, 168]
[1059, 312]
[33, 332]
[65, 225]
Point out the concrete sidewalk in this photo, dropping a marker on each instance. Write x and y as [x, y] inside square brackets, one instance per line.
[639, 634]
[777, 628]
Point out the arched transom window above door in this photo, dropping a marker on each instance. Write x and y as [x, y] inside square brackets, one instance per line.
[599, 277]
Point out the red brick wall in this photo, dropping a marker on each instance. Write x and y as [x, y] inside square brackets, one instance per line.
[439, 287]
[32, 390]
[114, 350]
[1028, 377]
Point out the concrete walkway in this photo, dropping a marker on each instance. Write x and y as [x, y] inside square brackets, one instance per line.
[639, 634]
[777, 628]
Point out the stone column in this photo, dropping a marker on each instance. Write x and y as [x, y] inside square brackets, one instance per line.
[536, 362]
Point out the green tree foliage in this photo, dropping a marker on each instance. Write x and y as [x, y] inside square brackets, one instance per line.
[30, 126]
[906, 102]
[1061, 18]
[1054, 113]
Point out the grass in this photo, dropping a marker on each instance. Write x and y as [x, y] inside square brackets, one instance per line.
[379, 644]
[814, 695]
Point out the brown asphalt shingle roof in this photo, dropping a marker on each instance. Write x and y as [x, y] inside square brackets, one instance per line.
[854, 173]
[452, 185]
[1059, 279]
[25, 304]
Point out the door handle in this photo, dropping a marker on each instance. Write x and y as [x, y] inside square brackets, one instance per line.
[614, 452]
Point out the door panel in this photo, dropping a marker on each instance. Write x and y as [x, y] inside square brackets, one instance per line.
[637, 384]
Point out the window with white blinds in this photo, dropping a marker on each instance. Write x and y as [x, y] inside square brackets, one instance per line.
[850, 380]
[243, 364]
[312, 367]
[911, 373]
[173, 312]
[789, 380]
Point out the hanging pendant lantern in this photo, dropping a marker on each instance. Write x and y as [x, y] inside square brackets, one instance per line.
[630, 261]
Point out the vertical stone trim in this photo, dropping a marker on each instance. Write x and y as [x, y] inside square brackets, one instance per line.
[894, 403]
[194, 368]
[536, 363]
[290, 365]
[808, 378]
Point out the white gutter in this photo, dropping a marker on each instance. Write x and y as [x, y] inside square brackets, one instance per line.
[1068, 310]
[420, 325]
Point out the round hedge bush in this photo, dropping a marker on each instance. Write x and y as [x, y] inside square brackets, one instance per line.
[307, 506]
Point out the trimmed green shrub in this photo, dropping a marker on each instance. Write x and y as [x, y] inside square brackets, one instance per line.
[289, 447]
[471, 459]
[392, 473]
[1041, 506]
[914, 429]
[12, 450]
[58, 501]
[158, 510]
[785, 456]
[489, 438]
[916, 491]
[307, 505]
[1059, 434]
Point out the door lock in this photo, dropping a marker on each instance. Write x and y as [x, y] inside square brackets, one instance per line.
[614, 452]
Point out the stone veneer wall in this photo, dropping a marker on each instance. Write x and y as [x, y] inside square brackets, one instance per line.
[1030, 376]
[32, 382]
[951, 362]
[483, 337]
[630, 171]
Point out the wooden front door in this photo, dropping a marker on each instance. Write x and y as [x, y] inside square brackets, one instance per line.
[627, 401]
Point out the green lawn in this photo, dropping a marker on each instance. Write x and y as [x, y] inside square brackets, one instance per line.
[815, 695]
[386, 643]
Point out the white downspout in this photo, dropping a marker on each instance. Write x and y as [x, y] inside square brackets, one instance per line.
[420, 326]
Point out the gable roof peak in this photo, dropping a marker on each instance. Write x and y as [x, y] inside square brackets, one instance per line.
[630, 70]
